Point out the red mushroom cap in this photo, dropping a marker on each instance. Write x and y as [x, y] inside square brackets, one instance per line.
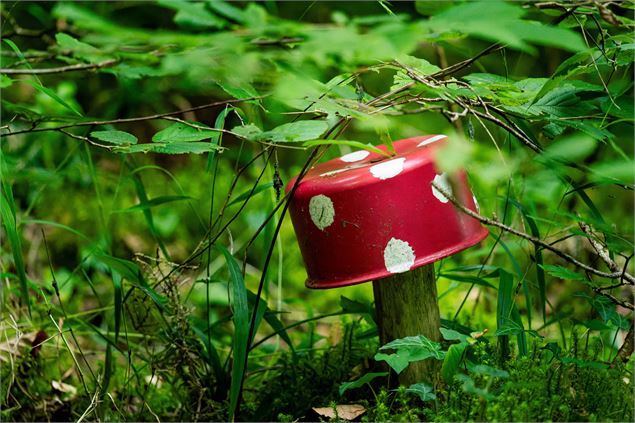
[365, 216]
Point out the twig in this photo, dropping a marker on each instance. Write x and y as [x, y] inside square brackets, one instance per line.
[134, 119]
[626, 350]
[599, 248]
[492, 222]
[62, 69]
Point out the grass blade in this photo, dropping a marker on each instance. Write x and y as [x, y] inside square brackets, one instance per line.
[7, 212]
[240, 309]
[116, 282]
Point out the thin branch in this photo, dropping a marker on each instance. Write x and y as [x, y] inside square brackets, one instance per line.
[134, 119]
[62, 69]
[599, 248]
[492, 222]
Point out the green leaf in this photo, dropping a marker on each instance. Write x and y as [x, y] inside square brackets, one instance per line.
[467, 279]
[180, 132]
[397, 361]
[249, 132]
[46, 91]
[505, 298]
[422, 66]
[240, 90]
[452, 361]
[5, 81]
[131, 272]
[304, 130]
[251, 193]
[573, 148]
[240, 317]
[509, 327]
[115, 137]
[475, 18]
[424, 391]
[157, 201]
[170, 148]
[80, 49]
[483, 369]
[409, 349]
[367, 378]
[7, 212]
[193, 15]
[563, 273]
[621, 171]
[452, 335]
[118, 287]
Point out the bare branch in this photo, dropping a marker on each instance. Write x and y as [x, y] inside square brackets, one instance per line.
[134, 119]
[492, 222]
[62, 69]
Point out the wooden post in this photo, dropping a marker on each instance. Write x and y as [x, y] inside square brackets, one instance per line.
[406, 305]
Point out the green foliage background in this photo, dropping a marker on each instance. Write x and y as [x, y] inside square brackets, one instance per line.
[143, 145]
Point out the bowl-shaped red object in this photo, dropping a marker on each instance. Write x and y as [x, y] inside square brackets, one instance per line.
[365, 216]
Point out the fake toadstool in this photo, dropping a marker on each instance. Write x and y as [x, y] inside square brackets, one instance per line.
[370, 217]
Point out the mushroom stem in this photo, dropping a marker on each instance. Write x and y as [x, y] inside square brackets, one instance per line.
[406, 305]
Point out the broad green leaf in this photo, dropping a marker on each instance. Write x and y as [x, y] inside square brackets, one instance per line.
[367, 378]
[304, 130]
[250, 131]
[452, 361]
[193, 15]
[423, 390]
[409, 349]
[570, 149]
[115, 137]
[475, 18]
[563, 273]
[621, 171]
[180, 132]
[227, 10]
[397, 361]
[79, 49]
[239, 91]
[452, 335]
[420, 65]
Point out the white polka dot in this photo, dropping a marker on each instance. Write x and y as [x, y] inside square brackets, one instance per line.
[478, 209]
[355, 156]
[443, 181]
[386, 170]
[321, 211]
[431, 140]
[398, 256]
